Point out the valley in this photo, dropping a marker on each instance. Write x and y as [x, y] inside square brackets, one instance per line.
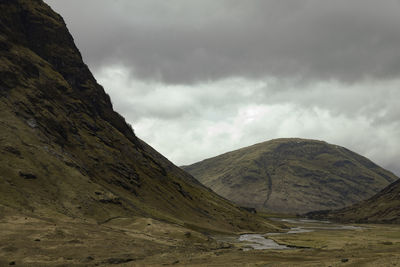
[78, 187]
[30, 241]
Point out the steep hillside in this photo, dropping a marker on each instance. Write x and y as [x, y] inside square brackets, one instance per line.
[384, 207]
[65, 153]
[292, 175]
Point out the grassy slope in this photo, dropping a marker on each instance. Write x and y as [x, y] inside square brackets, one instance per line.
[64, 152]
[292, 175]
[384, 207]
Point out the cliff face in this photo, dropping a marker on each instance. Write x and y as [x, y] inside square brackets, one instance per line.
[292, 175]
[64, 151]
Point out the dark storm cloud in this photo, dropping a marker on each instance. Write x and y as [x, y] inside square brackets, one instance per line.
[191, 41]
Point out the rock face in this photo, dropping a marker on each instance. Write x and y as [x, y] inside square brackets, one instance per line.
[384, 207]
[292, 175]
[64, 151]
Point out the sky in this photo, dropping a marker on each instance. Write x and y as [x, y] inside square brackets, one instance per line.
[200, 78]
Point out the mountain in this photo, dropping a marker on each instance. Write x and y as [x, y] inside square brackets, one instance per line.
[64, 151]
[384, 207]
[292, 176]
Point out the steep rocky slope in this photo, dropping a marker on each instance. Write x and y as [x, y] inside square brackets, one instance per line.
[384, 207]
[65, 153]
[292, 175]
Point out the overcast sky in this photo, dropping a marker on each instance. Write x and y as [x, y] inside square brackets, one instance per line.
[199, 78]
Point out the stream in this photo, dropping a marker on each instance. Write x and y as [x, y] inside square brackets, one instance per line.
[260, 241]
[257, 241]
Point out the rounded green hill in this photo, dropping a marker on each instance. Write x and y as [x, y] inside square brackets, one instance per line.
[292, 176]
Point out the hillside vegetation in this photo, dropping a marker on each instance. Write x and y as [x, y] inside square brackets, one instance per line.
[292, 176]
[384, 207]
[64, 151]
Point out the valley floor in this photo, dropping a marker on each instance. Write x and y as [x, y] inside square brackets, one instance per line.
[29, 241]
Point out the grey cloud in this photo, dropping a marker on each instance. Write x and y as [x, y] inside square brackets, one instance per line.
[217, 75]
[215, 117]
[191, 41]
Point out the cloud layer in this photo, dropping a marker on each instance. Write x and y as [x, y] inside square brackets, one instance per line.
[198, 78]
[191, 122]
[181, 41]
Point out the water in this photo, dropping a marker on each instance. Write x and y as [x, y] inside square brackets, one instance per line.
[300, 221]
[299, 230]
[258, 241]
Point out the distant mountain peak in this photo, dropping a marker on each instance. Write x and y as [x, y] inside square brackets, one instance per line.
[292, 175]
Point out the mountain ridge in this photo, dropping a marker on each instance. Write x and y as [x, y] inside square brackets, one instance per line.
[66, 152]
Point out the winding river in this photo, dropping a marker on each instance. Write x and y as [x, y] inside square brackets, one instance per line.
[261, 241]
